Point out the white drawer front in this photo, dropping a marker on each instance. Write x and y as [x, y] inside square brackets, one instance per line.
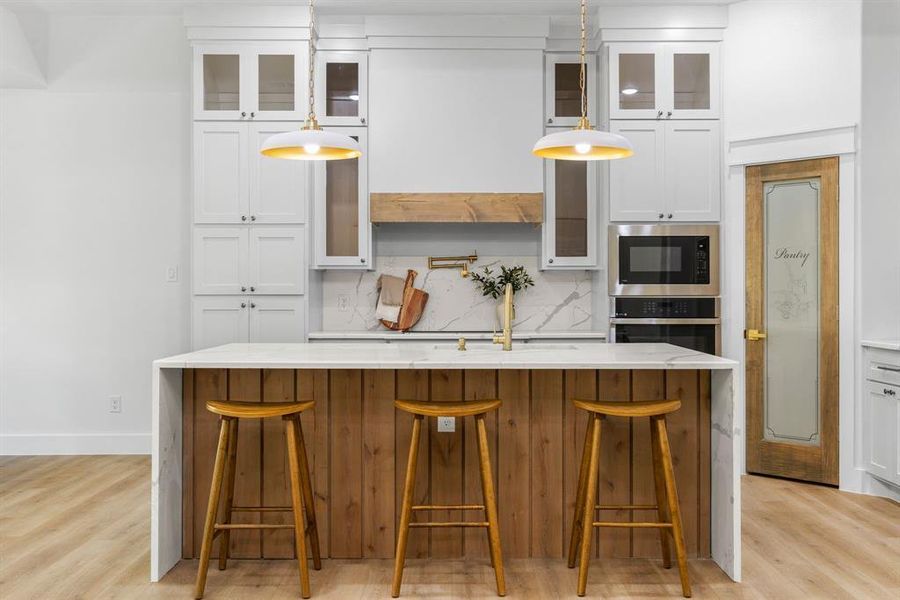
[883, 365]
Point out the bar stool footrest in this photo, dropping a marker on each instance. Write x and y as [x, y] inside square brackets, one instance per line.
[626, 507]
[262, 509]
[451, 524]
[227, 526]
[635, 525]
[448, 507]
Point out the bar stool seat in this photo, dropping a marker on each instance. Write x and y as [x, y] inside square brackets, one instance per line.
[668, 512]
[302, 504]
[478, 409]
[447, 409]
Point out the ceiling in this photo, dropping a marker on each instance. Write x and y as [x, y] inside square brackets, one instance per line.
[341, 7]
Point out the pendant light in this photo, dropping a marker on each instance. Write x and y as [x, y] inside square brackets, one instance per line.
[311, 142]
[584, 142]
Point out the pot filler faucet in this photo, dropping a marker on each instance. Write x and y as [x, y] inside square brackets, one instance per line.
[506, 337]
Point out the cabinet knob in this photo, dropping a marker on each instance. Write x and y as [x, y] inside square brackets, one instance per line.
[670, 215]
[661, 215]
[243, 114]
[362, 119]
[243, 305]
[252, 217]
[243, 217]
[550, 261]
[252, 289]
[889, 392]
[362, 260]
[549, 120]
[243, 288]
[659, 114]
[252, 305]
[253, 114]
[669, 114]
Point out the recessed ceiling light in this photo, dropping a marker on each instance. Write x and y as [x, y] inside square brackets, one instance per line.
[630, 91]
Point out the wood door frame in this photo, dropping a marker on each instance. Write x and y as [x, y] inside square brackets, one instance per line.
[812, 463]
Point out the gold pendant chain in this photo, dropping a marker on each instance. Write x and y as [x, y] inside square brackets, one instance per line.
[581, 78]
[311, 118]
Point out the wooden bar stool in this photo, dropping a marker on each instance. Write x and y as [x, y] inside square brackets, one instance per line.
[450, 409]
[666, 507]
[301, 490]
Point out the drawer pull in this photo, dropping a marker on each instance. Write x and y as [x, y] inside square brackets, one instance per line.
[889, 392]
[892, 369]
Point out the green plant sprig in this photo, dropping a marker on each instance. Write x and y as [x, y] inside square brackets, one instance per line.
[495, 285]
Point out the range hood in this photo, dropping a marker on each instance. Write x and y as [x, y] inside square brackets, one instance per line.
[456, 207]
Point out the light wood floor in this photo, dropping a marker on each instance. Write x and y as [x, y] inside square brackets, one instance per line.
[78, 527]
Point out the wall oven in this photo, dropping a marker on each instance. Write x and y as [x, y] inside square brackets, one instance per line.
[688, 322]
[664, 260]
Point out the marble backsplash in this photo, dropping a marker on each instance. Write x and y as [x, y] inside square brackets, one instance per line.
[558, 301]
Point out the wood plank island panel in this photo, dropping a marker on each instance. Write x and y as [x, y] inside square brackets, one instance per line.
[457, 208]
[358, 443]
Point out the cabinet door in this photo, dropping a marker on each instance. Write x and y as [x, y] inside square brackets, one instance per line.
[692, 164]
[636, 187]
[218, 320]
[220, 82]
[277, 264]
[278, 74]
[692, 81]
[570, 220]
[342, 85]
[221, 191]
[278, 188]
[274, 319]
[220, 260]
[636, 81]
[882, 419]
[342, 209]
[563, 92]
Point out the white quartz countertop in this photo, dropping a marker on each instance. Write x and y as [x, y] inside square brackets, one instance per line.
[445, 356]
[883, 344]
[453, 335]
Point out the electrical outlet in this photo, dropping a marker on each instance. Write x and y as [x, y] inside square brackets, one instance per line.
[172, 274]
[115, 404]
[343, 303]
[446, 424]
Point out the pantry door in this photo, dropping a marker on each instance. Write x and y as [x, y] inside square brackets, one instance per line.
[792, 319]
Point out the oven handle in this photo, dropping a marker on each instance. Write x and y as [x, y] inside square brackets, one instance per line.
[617, 321]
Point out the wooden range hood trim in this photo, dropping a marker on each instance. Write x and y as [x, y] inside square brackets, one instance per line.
[473, 207]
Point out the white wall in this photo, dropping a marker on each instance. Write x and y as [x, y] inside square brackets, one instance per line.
[93, 209]
[879, 198]
[792, 67]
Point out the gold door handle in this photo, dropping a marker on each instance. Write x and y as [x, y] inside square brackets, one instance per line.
[754, 335]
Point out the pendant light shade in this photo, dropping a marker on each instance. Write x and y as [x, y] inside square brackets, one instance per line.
[583, 144]
[311, 144]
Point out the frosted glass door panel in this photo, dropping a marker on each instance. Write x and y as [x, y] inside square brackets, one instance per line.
[691, 79]
[567, 90]
[571, 209]
[342, 89]
[221, 82]
[276, 82]
[637, 81]
[791, 267]
[342, 207]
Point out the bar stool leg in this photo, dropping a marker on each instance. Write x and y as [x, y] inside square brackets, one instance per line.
[406, 511]
[659, 479]
[212, 507]
[490, 504]
[230, 469]
[577, 518]
[297, 502]
[662, 437]
[590, 501]
[308, 499]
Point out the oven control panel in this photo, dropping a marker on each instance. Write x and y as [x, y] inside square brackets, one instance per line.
[701, 258]
[666, 308]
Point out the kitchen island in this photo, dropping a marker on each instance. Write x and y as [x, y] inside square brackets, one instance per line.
[358, 443]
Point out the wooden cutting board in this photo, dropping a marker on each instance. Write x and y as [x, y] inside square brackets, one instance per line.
[412, 308]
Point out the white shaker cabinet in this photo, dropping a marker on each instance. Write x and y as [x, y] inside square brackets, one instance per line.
[562, 96]
[256, 260]
[221, 320]
[881, 414]
[673, 176]
[250, 81]
[234, 183]
[342, 86]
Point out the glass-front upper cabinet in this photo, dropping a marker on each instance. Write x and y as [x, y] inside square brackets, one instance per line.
[342, 229]
[342, 85]
[570, 219]
[563, 91]
[664, 81]
[243, 82]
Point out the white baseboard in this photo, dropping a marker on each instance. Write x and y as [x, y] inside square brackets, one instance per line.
[22, 444]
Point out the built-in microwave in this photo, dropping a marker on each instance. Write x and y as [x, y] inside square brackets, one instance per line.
[663, 260]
